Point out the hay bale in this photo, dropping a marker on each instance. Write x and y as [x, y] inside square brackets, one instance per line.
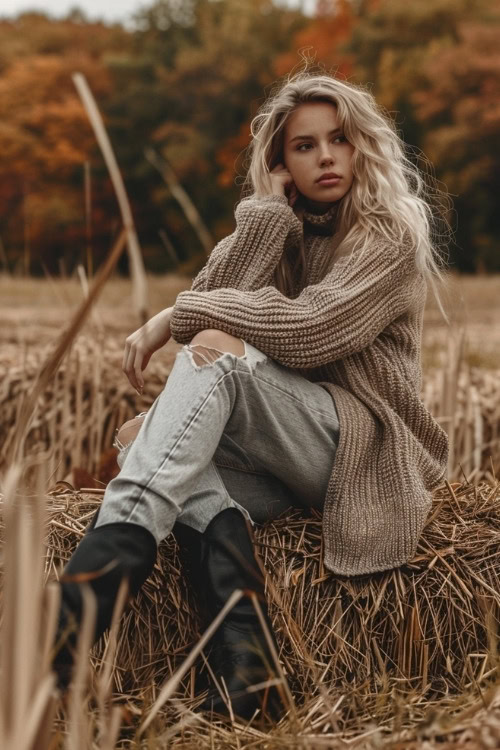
[431, 625]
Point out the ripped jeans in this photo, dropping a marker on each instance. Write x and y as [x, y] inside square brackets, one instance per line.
[226, 431]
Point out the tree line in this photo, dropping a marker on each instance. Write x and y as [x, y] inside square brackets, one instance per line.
[186, 82]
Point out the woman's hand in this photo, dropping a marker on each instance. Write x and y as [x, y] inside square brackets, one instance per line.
[141, 344]
[282, 183]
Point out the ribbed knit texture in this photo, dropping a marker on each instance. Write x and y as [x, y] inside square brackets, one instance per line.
[357, 333]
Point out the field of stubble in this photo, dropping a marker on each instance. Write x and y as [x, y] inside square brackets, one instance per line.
[421, 642]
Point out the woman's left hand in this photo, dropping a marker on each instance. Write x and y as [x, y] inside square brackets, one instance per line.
[141, 344]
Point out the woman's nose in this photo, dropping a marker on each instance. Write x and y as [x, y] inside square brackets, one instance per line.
[325, 155]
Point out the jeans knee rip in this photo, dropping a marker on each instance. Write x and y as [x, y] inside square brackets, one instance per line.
[202, 355]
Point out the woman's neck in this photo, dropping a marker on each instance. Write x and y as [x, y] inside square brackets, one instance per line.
[317, 207]
[321, 223]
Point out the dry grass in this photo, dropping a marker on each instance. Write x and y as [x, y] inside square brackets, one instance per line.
[30, 309]
[395, 659]
[401, 659]
[473, 304]
[90, 397]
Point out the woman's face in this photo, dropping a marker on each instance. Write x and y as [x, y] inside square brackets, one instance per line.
[312, 148]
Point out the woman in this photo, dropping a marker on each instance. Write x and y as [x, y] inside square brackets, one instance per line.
[299, 379]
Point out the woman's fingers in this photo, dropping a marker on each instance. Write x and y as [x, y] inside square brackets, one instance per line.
[281, 176]
[129, 367]
[125, 356]
[139, 356]
[134, 362]
[129, 364]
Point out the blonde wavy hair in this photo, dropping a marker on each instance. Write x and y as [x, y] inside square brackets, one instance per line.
[389, 196]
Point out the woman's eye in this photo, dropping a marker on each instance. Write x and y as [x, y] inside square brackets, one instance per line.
[342, 137]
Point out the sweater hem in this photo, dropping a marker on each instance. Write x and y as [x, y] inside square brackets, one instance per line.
[353, 572]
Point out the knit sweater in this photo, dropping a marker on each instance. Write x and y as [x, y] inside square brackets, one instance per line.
[357, 333]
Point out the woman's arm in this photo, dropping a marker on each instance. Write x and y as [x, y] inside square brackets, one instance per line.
[341, 315]
[246, 259]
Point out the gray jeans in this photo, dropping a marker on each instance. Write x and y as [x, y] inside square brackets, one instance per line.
[233, 431]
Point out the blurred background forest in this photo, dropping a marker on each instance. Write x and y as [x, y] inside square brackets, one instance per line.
[186, 80]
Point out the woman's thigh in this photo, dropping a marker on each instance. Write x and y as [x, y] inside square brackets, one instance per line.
[282, 426]
[264, 496]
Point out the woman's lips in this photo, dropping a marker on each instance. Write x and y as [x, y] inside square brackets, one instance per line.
[329, 181]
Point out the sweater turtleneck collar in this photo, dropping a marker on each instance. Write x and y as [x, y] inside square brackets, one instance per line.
[317, 223]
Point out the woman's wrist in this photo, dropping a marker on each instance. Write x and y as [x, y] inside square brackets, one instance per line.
[275, 197]
[166, 313]
[168, 317]
[162, 323]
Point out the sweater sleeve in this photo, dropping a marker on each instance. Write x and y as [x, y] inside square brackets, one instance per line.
[247, 258]
[359, 297]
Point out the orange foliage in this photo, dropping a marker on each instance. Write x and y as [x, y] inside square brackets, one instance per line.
[47, 131]
[460, 99]
[192, 91]
[45, 135]
[332, 26]
[230, 155]
[464, 81]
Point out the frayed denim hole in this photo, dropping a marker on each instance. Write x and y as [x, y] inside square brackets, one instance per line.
[207, 354]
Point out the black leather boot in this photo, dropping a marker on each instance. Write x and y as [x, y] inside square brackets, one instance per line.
[238, 651]
[189, 542]
[105, 556]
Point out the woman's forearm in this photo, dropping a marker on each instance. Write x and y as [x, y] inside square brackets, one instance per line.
[247, 258]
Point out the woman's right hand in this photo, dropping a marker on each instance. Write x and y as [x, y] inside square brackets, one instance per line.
[141, 344]
[282, 183]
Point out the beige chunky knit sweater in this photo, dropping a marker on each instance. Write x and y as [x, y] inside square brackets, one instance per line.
[357, 333]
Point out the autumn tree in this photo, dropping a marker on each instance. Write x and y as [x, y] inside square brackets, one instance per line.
[214, 60]
[45, 137]
[458, 102]
[188, 81]
[434, 65]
